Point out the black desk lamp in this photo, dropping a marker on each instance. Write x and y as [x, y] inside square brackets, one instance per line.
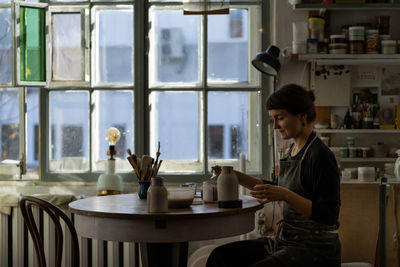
[268, 63]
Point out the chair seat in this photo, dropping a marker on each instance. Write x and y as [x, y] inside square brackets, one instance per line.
[200, 256]
[357, 264]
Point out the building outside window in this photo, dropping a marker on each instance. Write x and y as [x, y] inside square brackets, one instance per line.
[143, 67]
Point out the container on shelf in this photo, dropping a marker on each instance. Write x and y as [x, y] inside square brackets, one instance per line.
[356, 47]
[366, 152]
[352, 172]
[344, 152]
[300, 31]
[359, 152]
[338, 39]
[350, 141]
[389, 47]
[299, 47]
[379, 150]
[382, 24]
[352, 152]
[316, 25]
[368, 123]
[383, 37]
[312, 45]
[345, 31]
[338, 48]
[323, 46]
[372, 43]
[357, 33]
[338, 51]
[346, 174]
[366, 174]
[389, 169]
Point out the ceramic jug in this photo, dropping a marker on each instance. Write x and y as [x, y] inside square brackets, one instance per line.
[227, 185]
[157, 196]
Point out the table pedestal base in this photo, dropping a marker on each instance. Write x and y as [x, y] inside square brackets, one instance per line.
[164, 254]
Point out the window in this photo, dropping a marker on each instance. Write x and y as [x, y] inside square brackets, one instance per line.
[140, 66]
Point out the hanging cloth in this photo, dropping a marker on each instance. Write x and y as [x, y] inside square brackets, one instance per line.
[205, 7]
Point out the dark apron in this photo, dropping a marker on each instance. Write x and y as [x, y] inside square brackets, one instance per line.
[301, 241]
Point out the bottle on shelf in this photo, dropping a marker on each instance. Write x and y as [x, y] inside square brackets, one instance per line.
[347, 121]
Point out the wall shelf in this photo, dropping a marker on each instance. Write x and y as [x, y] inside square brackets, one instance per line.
[350, 6]
[358, 131]
[351, 59]
[366, 159]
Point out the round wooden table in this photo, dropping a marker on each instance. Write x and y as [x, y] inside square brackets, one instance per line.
[163, 237]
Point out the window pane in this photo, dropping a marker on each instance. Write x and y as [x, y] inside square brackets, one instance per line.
[9, 124]
[32, 130]
[232, 124]
[32, 44]
[113, 109]
[174, 50]
[69, 131]
[228, 47]
[67, 47]
[5, 46]
[114, 51]
[174, 121]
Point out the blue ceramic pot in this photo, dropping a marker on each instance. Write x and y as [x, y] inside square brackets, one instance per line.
[142, 189]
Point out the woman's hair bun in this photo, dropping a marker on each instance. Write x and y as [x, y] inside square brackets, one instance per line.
[312, 95]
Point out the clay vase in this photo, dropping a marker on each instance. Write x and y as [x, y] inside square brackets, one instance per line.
[157, 196]
[227, 185]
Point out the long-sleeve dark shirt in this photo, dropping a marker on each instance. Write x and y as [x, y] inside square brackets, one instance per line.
[320, 180]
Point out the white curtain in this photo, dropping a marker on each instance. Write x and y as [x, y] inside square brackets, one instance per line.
[205, 6]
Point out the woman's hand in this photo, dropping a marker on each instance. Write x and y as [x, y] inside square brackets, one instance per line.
[266, 193]
[216, 170]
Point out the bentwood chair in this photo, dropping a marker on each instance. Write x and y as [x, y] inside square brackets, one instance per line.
[55, 214]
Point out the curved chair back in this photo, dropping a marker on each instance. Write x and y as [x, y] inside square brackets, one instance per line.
[55, 214]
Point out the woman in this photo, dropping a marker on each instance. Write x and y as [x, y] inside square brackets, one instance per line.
[309, 187]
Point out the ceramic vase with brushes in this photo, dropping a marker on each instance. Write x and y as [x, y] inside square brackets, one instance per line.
[144, 169]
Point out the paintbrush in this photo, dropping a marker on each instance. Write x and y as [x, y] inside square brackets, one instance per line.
[132, 160]
[157, 155]
[146, 166]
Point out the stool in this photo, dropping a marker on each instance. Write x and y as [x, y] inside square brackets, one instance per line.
[200, 256]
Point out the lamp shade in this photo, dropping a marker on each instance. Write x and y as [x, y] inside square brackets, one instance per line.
[205, 7]
[268, 62]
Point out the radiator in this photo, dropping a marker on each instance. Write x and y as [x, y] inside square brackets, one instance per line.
[17, 250]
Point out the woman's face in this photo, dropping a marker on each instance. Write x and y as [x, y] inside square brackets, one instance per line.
[288, 125]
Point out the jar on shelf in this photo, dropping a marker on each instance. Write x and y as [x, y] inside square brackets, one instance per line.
[344, 152]
[323, 46]
[383, 37]
[312, 45]
[350, 141]
[389, 47]
[382, 24]
[316, 25]
[372, 43]
[389, 169]
[345, 31]
[366, 151]
[357, 33]
[339, 48]
[338, 39]
[366, 174]
[356, 47]
[352, 152]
